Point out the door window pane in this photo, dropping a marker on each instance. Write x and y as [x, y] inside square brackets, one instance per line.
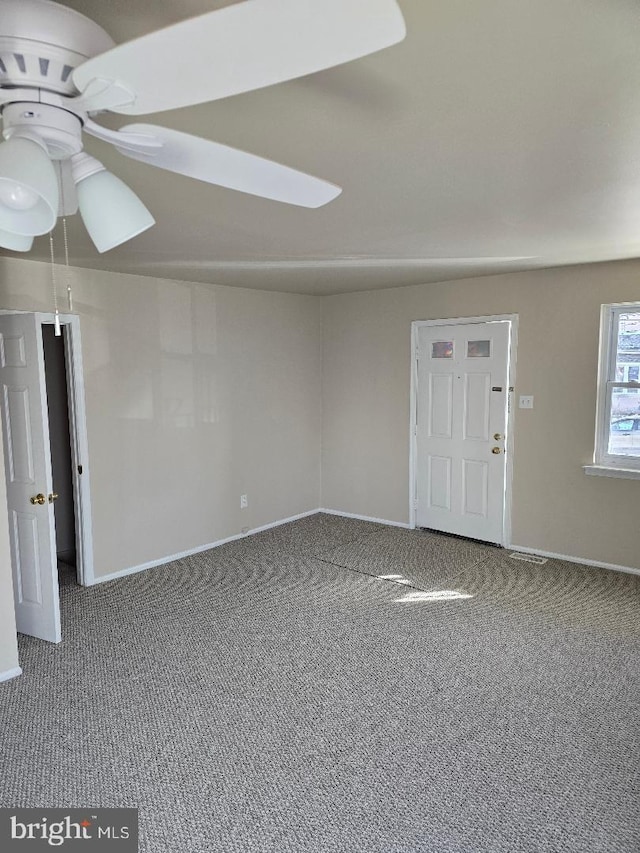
[478, 349]
[442, 349]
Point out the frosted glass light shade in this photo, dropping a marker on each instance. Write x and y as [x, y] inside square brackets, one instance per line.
[111, 212]
[15, 242]
[28, 188]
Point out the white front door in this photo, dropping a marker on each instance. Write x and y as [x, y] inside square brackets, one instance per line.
[28, 476]
[462, 403]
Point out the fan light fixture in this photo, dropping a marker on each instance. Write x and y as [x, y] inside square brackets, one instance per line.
[28, 188]
[15, 242]
[112, 213]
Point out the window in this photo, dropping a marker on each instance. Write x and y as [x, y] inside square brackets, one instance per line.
[618, 422]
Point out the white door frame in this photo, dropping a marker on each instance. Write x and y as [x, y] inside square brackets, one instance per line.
[79, 443]
[416, 325]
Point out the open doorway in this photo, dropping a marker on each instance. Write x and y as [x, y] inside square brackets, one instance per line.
[57, 385]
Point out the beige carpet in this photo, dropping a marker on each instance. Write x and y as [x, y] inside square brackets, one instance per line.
[274, 695]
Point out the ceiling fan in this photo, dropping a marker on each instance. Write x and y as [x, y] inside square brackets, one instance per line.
[58, 70]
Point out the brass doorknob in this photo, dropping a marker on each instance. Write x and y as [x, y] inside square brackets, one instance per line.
[496, 450]
[39, 499]
[53, 497]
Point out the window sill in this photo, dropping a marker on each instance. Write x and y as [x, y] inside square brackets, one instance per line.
[610, 471]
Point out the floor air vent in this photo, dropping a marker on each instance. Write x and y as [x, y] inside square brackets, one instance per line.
[528, 558]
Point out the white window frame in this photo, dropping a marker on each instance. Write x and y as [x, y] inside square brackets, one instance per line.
[604, 462]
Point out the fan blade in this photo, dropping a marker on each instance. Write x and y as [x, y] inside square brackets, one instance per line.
[236, 49]
[228, 167]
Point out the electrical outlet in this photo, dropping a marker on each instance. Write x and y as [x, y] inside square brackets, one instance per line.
[526, 402]
[244, 502]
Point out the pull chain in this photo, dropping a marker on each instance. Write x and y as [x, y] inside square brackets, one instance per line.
[66, 244]
[66, 261]
[57, 327]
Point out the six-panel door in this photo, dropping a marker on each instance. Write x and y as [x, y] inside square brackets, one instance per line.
[462, 398]
[28, 474]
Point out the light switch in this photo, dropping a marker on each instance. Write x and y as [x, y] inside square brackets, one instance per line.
[526, 402]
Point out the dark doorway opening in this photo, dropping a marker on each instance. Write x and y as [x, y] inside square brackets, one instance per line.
[55, 362]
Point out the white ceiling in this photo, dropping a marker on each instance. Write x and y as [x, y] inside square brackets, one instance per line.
[500, 135]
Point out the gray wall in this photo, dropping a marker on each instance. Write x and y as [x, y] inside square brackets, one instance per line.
[195, 395]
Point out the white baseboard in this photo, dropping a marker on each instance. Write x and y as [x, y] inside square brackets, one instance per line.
[209, 546]
[283, 521]
[132, 570]
[11, 673]
[583, 560]
[365, 518]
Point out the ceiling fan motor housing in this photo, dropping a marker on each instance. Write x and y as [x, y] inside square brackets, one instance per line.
[59, 129]
[41, 43]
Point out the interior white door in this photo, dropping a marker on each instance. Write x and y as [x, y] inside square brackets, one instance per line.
[28, 474]
[462, 404]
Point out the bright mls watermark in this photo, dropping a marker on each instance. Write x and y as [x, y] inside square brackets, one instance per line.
[24, 830]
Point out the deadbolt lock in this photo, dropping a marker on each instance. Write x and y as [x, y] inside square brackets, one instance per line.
[496, 450]
[39, 499]
[497, 436]
[53, 497]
